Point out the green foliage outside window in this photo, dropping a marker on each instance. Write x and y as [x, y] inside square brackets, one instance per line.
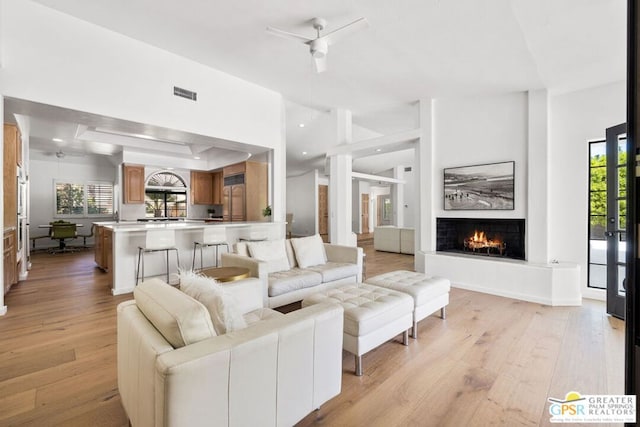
[598, 195]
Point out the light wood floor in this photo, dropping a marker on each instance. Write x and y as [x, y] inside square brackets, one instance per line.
[492, 361]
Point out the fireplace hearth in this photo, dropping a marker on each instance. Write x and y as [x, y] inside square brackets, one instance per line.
[488, 237]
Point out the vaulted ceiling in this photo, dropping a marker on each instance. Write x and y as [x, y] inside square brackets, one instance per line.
[412, 49]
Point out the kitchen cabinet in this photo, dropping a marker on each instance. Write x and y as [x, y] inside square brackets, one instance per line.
[133, 178]
[244, 191]
[103, 250]
[10, 171]
[98, 248]
[10, 263]
[217, 188]
[201, 188]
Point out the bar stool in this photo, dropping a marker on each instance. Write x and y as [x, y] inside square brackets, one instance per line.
[211, 236]
[156, 241]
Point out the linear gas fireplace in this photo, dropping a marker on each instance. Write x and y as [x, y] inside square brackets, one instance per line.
[488, 237]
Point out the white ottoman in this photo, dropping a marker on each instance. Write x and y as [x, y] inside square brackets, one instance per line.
[372, 316]
[429, 293]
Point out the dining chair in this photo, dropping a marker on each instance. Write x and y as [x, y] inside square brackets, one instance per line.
[62, 231]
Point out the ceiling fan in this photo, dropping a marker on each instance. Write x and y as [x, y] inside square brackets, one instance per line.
[62, 154]
[320, 45]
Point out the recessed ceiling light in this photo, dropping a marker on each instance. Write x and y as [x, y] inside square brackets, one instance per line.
[170, 169]
[378, 150]
[197, 158]
[301, 125]
[57, 140]
[304, 153]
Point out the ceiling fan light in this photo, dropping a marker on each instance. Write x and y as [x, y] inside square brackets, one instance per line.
[319, 48]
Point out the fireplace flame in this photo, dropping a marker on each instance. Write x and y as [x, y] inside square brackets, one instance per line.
[479, 240]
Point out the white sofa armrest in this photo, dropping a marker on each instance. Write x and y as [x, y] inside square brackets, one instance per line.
[247, 292]
[256, 269]
[341, 253]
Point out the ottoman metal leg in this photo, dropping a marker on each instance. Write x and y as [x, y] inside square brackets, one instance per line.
[358, 366]
[443, 312]
[414, 330]
[405, 337]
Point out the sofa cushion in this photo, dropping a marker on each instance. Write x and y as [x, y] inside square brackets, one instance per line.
[222, 307]
[291, 280]
[179, 318]
[309, 251]
[241, 248]
[290, 254]
[273, 252]
[335, 270]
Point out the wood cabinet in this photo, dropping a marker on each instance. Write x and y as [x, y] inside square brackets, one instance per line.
[217, 188]
[10, 171]
[201, 188]
[103, 250]
[245, 191]
[10, 263]
[133, 184]
[98, 249]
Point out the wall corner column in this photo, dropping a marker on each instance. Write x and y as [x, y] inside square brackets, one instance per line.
[425, 185]
[397, 193]
[538, 177]
[340, 187]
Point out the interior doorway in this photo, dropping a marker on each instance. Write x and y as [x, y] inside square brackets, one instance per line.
[365, 214]
[385, 210]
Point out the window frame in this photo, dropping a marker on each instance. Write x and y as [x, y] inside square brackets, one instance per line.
[85, 206]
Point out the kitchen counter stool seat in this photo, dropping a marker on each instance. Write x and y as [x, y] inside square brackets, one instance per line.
[211, 236]
[157, 241]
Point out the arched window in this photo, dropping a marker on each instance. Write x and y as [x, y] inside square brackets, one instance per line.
[165, 196]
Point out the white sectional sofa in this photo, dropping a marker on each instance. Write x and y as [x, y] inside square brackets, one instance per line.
[292, 269]
[394, 239]
[175, 370]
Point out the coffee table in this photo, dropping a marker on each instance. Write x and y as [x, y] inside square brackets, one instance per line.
[226, 274]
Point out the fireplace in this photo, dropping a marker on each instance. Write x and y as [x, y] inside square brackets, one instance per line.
[487, 237]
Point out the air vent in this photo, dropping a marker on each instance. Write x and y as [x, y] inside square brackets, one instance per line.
[184, 93]
[407, 169]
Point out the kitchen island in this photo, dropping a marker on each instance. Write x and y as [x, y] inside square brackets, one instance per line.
[126, 237]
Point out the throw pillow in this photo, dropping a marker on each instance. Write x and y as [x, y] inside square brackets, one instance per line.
[309, 251]
[223, 308]
[181, 320]
[273, 252]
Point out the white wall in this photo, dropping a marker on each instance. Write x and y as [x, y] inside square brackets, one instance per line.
[576, 118]
[302, 202]
[44, 171]
[410, 197]
[56, 59]
[478, 130]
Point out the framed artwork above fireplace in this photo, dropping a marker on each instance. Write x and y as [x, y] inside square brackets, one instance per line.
[479, 187]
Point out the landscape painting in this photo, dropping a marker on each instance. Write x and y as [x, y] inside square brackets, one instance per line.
[480, 187]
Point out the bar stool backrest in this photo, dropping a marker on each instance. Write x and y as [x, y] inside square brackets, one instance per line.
[160, 239]
[214, 235]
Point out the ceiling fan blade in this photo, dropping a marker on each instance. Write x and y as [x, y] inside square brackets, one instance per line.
[340, 33]
[288, 35]
[320, 64]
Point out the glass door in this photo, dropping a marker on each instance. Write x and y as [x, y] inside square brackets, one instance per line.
[615, 234]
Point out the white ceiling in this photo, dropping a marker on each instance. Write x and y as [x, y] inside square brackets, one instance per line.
[412, 49]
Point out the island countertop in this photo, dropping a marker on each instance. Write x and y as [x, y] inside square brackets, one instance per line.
[131, 226]
[128, 236]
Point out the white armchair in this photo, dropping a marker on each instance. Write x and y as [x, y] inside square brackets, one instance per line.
[174, 371]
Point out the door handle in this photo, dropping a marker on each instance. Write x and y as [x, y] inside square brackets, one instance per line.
[611, 233]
